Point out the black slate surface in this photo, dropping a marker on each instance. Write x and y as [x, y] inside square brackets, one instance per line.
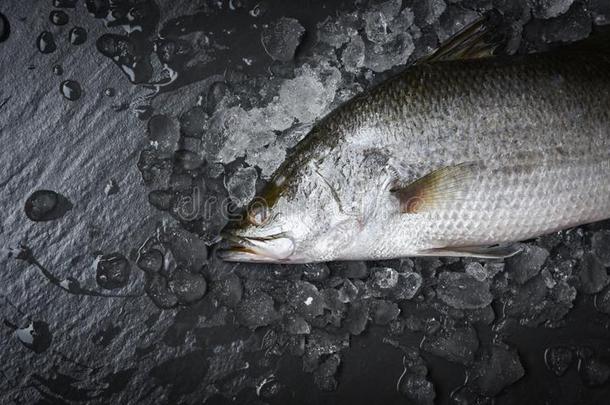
[115, 168]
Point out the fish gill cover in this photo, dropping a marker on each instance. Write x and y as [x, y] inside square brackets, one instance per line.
[131, 128]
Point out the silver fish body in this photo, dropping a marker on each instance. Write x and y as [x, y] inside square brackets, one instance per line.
[513, 148]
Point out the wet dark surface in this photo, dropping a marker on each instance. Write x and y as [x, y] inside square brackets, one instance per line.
[130, 127]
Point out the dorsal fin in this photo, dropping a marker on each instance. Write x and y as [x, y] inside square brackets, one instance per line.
[477, 40]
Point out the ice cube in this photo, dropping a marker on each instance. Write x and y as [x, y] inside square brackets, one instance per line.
[376, 27]
[348, 292]
[158, 291]
[309, 94]
[383, 278]
[242, 185]
[379, 21]
[534, 303]
[417, 389]
[600, 244]
[526, 264]
[187, 287]
[336, 32]
[550, 8]
[352, 56]
[351, 269]
[321, 343]
[387, 282]
[454, 20]
[306, 299]
[334, 302]
[315, 272]
[267, 158]
[236, 131]
[282, 38]
[187, 249]
[381, 57]
[433, 10]
[497, 368]
[388, 8]
[228, 290]
[592, 274]
[389, 42]
[297, 325]
[492, 269]
[195, 120]
[461, 291]
[256, 310]
[413, 383]
[409, 284]
[324, 376]
[476, 271]
[384, 312]
[571, 26]
[457, 345]
[357, 317]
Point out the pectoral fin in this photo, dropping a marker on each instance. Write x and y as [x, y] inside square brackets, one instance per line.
[436, 189]
[482, 252]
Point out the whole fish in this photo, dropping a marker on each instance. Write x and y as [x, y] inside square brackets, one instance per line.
[460, 155]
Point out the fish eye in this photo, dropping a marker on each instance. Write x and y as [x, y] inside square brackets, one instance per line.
[258, 213]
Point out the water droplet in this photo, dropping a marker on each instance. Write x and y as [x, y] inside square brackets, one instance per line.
[78, 36]
[143, 112]
[64, 3]
[70, 90]
[58, 70]
[99, 9]
[46, 205]
[236, 4]
[112, 271]
[59, 17]
[36, 336]
[109, 92]
[151, 261]
[5, 28]
[259, 10]
[121, 49]
[46, 42]
[558, 359]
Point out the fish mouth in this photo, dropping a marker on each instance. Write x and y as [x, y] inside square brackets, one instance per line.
[269, 249]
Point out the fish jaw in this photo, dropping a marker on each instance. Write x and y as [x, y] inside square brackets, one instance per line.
[274, 249]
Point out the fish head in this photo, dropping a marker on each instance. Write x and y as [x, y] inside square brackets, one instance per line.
[274, 228]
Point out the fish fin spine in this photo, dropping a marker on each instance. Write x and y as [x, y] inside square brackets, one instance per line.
[475, 41]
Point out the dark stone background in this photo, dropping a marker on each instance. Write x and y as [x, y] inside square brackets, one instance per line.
[110, 292]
